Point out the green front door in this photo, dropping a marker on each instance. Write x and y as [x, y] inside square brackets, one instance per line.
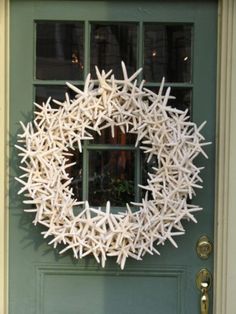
[57, 41]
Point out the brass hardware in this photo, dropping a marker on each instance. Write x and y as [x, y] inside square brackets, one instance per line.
[203, 282]
[204, 247]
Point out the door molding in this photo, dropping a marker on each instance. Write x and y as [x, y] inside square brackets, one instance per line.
[225, 217]
[225, 252]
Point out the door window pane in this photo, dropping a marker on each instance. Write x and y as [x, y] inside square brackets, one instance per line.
[111, 44]
[147, 167]
[43, 92]
[75, 172]
[110, 174]
[167, 52]
[111, 177]
[183, 97]
[59, 51]
[119, 138]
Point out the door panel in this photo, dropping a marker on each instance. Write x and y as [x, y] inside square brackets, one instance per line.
[42, 281]
[103, 291]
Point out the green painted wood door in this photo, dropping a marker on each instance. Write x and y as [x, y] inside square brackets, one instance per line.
[182, 34]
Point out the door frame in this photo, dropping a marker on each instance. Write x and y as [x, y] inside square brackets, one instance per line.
[225, 232]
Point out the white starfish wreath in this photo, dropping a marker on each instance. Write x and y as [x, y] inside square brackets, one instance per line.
[161, 131]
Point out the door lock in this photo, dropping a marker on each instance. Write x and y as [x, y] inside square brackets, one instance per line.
[204, 247]
[204, 282]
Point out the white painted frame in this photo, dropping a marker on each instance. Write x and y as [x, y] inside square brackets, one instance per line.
[225, 218]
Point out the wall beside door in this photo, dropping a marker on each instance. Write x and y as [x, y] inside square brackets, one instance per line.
[226, 185]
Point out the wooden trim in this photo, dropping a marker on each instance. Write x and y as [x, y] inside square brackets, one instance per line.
[225, 248]
[4, 31]
[225, 232]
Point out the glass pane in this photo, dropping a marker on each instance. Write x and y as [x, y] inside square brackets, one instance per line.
[111, 177]
[43, 92]
[75, 172]
[111, 44]
[119, 138]
[183, 98]
[147, 167]
[59, 51]
[167, 52]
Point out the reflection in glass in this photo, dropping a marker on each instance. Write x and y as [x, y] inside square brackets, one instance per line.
[112, 43]
[43, 92]
[111, 177]
[59, 51]
[167, 52]
[119, 138]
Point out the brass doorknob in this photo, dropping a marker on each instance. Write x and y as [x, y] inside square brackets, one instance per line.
[204, 247]
[203, 282]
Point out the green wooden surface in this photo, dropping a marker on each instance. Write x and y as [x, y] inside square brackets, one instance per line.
[40, 280]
